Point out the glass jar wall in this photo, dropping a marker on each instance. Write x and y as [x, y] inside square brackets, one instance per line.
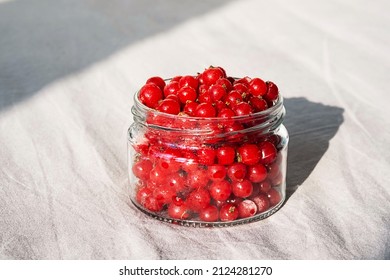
[207, 172]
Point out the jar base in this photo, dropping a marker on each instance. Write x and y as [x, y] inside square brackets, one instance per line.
[201, 224]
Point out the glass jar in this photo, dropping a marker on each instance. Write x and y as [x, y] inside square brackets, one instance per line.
[207, 172]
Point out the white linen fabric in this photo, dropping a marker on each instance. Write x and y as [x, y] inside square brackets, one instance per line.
[68, 72]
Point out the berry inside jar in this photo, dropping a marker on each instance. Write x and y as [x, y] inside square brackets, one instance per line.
[208, 149]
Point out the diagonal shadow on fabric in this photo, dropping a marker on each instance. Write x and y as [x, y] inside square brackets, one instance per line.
[311, 126]
[43, 40]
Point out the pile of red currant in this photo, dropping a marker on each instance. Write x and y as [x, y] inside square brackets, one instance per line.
[200, 158]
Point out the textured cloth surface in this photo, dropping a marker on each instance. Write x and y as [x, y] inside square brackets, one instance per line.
[69, 69]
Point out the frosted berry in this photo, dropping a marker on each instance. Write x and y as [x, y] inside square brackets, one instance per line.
[262, 202]
[198, 200]
[247, 208]
[228, 212]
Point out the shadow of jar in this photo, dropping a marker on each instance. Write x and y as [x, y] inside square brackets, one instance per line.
[311, 126]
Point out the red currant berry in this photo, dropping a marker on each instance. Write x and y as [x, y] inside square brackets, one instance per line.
[178, 211]
[211, 75]
[190, 163]
[223, 71]
[157, 176]
[272, 91]
[206, 155]
[158, 81]
[220, 191]
[226, 115]
[169, 160]
[142, 148]
[164, 194]
[275, 139]
[219, 203]
[257, 87]
[171, 88]
[257, 173]
[141, 169]
[277, 180]
[273, 171]
[209, 214]
[255, 191]
[153, 204]
[176, 182]
[228, 212]
[240, 87]
[187, 94]
[150, 95]
[233, 98]
[258, 104]
[173, 97]
[205, 97]
[205, 110]
[142, 194]
[202, 89]
[264, 186]
[237, 172]
[217, 92]
[274, 196]
[189, 81]
[248, 154]
[176, 79]
[198, 200]
[169, 106]
[226, 155]
[247, 208]
[262, 202]
[225, 83]
[242, 188]
[245, 80]
[190, 108]
[197, 179]
[217, 172]
[234, 132]
[268, 152]
[219, 106]
[242, 109]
